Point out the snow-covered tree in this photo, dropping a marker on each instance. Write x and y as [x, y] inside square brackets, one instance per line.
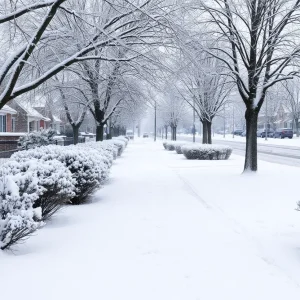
[257, 40]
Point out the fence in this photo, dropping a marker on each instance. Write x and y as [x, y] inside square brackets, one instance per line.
[8, 148]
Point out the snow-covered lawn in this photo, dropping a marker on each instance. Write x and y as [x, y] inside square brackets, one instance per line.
[168, 228]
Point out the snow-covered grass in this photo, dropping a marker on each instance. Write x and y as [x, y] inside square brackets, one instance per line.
[168, 228]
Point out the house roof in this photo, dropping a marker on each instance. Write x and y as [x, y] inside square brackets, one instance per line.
[8, 110]
[56, 119]
[31, 112]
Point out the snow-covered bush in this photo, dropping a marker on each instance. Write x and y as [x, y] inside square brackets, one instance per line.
[106, 151]
[37, 139]
[16, 208]
[171, 145]
[107, 145]
[118, 143]
[121, 138]
[86, 165]
[54, 183]
[178, 146]
[206, 152]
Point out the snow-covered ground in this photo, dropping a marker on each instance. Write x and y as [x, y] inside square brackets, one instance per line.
[168, 228]
[295, 141]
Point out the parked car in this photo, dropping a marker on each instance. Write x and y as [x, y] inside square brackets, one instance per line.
[262, 133]
[130, 134]
[244, 133]
[283, 133]
[145, 135]
[238, 131]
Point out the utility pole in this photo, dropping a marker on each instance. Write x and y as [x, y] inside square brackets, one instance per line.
[155, 121]
[266, 121]
[232, 121]
[194, 126]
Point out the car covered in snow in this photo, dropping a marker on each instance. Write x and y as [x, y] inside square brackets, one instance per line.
[130, 134]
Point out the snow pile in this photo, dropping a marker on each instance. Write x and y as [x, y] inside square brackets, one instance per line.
[206, 152]
[37, 139]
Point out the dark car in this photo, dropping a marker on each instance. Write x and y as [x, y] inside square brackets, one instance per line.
[270, 133]
[244, 133]
[282, 133]
[238, 132]
[145, 135]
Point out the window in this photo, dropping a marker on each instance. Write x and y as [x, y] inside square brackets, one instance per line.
[2, 123]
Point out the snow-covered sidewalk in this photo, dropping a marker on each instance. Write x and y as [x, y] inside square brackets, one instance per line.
[168, 228]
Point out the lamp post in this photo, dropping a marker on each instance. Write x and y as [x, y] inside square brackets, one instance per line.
[232, 121]
[266, 121]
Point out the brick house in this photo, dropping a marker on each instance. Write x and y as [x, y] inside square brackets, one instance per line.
[28, 119]
[17, 119]
[7, 119]
[279, 118]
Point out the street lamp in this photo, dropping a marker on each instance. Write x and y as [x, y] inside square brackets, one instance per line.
[232, 121]
[266, 121]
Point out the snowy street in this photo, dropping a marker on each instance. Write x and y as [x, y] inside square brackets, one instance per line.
[168, 228]
[286, 152]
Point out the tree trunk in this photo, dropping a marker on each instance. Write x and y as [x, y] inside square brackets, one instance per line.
[297, 126]
[175, 133]
[209, 138]
[75, 133]
[251, 140]
[99, 133]
[204, 133]
[166, 129]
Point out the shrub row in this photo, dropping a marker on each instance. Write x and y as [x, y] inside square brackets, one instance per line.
[206, 152]
[199, 151]
[35, 183]
[171, 145]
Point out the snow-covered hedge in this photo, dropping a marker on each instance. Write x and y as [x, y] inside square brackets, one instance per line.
[54, 184]
[88, 166]
[35, 183]
[17, 213]
[109, 146]
[206, 152]
[106, 150]
[171, 145]
[37, 139]
[121, 138]
[178, 147]
[119, 144]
